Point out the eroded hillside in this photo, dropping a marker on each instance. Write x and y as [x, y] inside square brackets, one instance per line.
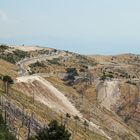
[103, 90]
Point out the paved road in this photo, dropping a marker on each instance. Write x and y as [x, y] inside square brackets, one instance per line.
[23, 64]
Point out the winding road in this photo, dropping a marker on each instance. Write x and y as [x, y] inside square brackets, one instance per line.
[23, 65]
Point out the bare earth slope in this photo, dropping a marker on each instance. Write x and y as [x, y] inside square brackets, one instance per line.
[108, 92]
[51, 97]
[104, 90]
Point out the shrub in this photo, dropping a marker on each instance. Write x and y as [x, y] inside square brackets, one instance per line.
[54, 131]
[131, 82]
[4, 133]
[21, 54]
[3, 48]
[54, 61]
[72, 71]
[14, 57]
[37, 64]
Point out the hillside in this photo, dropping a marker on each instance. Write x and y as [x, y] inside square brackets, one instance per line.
[7, 68]
[104, 91]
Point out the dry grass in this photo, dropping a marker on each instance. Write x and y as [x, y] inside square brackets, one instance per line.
[7, 68]
[44, 115]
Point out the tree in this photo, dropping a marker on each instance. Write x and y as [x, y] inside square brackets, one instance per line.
[103, 77]
[7, 81]
[3, 47]
[54, 131]
[86, 125]
[72, 72]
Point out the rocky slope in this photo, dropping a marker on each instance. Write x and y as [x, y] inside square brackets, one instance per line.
[103, 90]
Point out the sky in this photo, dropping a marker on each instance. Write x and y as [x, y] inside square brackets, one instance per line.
[83, 26]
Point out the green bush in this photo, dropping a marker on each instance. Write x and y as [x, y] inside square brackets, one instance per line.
[4, 132]
[9, 57]
[105, 75]
[54, 61]
[54, 131]
[21, 54]
[72, 71]
[37, 64]
[3, 48]
[13, 57]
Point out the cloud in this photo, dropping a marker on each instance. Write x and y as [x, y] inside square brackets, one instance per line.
[3, 16]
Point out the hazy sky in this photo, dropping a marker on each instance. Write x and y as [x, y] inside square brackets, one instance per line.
[84, 26]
